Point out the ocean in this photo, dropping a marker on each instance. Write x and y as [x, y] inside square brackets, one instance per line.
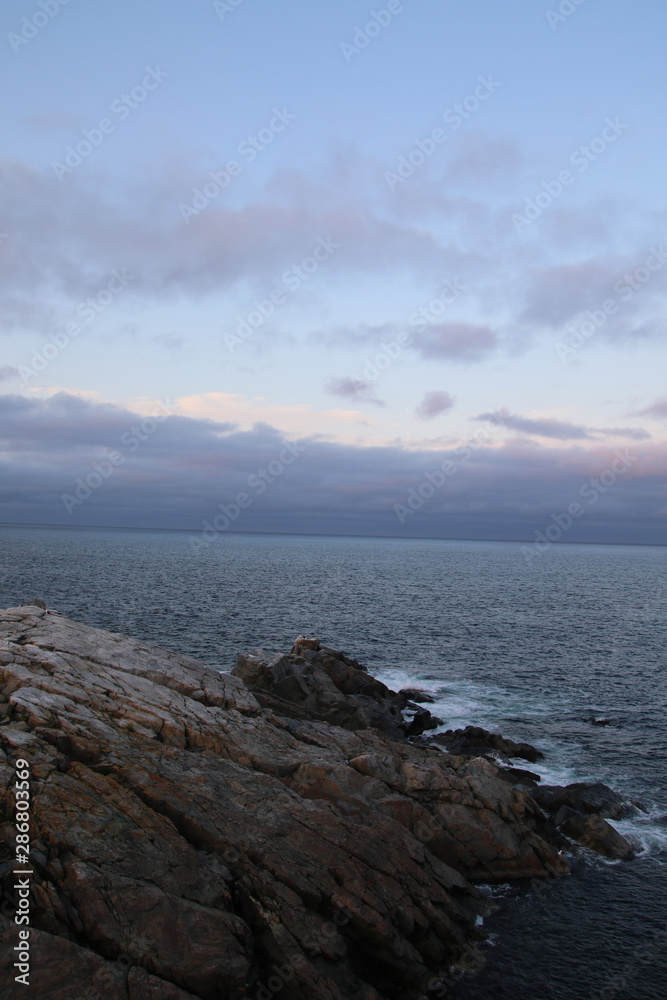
[537, 650]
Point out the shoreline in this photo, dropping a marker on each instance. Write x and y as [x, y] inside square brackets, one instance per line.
[303, 824]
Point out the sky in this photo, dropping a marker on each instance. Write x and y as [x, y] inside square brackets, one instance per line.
[392, 269]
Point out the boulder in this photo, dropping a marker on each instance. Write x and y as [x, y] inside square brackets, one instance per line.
[584, 797]
[416, 694]
[473, 741]
[519, 776]
[595, 833]
[316, 682]
[421, 721]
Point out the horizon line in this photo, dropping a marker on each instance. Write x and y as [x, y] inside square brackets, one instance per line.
[315, 534]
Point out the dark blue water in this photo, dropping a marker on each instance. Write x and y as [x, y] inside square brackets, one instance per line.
[535, 650]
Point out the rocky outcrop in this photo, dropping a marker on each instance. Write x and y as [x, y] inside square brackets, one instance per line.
[584, 797]
[578, 811]
[476, 742]
[315, 682]
[193, 838]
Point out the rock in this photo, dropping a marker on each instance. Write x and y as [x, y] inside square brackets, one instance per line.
[304, 643]
[194, 844]
[421, 721]
[474, 741]
[519, 776]
[584, 797]
[600, 722]
[323, 684]
[416, 694]
[596, 834]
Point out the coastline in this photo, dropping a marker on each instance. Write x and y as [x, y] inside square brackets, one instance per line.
[304, 827]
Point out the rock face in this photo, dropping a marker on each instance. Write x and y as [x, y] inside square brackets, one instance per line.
[193, 838]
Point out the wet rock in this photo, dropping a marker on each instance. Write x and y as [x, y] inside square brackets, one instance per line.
[584, 797]
[474, 741]
[519, 776]
[422, 721]
[189, 842]
[416, 694]
[595, 833]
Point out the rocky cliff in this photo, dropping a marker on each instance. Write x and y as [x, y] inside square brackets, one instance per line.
[265, 832]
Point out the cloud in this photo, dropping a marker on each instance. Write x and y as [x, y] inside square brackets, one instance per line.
[561, 430]
[355, 389]
[476, 158]
[106, 224]
[657, 409]
[455, 342]
[176, 473]
[433, 404]
[556, 296]
[7, 373]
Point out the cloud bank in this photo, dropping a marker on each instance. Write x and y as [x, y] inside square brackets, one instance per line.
[170, 471]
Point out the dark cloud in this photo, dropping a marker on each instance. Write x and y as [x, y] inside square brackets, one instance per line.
[433, 404]
[7, 373]
[560, 430]
[356, 390]
[181, 470]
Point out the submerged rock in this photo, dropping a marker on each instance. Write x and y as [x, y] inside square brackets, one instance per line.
[194, 838]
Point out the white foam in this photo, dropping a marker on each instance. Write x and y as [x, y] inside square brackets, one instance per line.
[647, 832]
[462, 703]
